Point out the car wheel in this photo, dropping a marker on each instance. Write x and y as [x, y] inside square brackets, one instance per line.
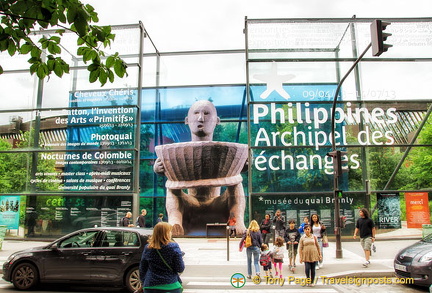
[133, 282]
[25, 276]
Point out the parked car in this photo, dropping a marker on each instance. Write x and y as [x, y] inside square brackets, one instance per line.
[94, 256]
[415, 261]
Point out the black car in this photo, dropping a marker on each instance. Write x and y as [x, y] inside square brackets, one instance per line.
[94, 256]
[415, 261]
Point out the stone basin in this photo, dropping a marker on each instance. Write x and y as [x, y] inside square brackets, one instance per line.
[202, 163]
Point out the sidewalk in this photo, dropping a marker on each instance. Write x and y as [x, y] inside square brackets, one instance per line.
[207, 258]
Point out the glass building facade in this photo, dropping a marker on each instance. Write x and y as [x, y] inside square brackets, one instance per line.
[76, 154]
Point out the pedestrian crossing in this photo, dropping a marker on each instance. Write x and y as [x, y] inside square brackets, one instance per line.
[202, 284]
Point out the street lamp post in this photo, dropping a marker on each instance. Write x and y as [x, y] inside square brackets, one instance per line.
[336, 155]
[378, 37]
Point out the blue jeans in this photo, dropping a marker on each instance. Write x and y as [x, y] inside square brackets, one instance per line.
[310, 270]
[255, 251]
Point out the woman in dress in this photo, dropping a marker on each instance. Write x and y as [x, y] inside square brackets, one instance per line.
[310, 254]
[317, 230]
[161, 262]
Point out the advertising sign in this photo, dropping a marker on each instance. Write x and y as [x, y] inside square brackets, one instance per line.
[389, 210]
[417, 209]
[9, 211]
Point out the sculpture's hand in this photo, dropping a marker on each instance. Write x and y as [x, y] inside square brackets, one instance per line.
[158, 166]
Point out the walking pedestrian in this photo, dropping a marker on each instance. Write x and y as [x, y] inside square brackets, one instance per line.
[317, 229]
[366, 227]
[265, 229]
[279, 223]
[302, 225]
[254, 250]
[292, 238]
[125, 221]
[278, 255]
[266, 260]
[141, 219]
[310, 254]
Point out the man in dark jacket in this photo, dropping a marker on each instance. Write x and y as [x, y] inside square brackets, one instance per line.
[279, 222]
[141, 218]
[125, 221]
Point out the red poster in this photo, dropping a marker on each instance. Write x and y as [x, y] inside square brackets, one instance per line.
[417, 209]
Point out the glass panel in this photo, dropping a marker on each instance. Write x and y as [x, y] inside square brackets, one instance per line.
[19, 89]
[80, 240]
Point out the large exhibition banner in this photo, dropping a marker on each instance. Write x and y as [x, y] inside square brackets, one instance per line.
[417, 209]
[389, 216]
[97, 152]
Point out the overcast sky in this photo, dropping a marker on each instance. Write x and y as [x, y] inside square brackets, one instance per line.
[177, 25]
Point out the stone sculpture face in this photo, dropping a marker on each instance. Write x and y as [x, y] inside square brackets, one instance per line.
[202, 120]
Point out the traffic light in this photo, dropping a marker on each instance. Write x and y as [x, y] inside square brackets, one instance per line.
[378, 37]
[339, 160]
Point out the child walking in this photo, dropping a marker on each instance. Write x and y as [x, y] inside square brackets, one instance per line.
[278, 255]
[266, 260]
[292, 238]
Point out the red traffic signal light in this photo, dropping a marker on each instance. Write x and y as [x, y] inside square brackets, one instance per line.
[378, 37]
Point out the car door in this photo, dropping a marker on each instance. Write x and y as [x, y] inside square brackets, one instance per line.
[121, 249]
[70, 258]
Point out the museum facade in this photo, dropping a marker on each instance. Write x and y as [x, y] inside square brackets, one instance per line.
[75, 154]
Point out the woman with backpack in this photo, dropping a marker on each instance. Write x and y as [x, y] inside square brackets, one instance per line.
[252, 240]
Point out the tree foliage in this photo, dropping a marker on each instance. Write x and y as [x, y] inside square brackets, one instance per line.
[15, 172]
[420, 160]
[20, 18]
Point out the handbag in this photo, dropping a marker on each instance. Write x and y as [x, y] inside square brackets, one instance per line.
[325, 242]
[248, 241]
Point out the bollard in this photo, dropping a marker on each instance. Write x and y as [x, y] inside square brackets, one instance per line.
[227, 242]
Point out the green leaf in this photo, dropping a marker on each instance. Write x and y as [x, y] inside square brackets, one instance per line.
[50, 64]
[71, 14]
[120, 68]
[81, 23]
[81, 51]
[1, 70]
[35, 52]
[55, 39]
[42, 71]
[12, 47]
[103, 76]
[94, 75]
[26, 48]
[58, 69]
[110, 61]
[110, 75]
[92, 67]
